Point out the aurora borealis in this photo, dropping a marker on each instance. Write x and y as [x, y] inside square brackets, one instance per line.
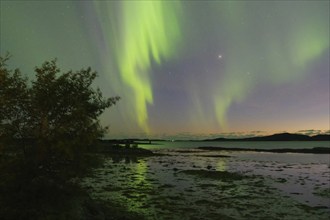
[185, 68]
[142, 41]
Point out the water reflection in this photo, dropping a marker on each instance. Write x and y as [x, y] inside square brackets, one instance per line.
[126, 159]
[137, 186]
[221, 165]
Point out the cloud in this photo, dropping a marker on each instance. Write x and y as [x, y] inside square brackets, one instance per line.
[313, 132]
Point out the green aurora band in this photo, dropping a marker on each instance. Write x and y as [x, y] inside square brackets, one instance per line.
[149, 33]
[262, 43]
[281, 51]
[269, 55]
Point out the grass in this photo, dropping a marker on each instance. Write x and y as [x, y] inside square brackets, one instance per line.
[52, 191]
[35, 192]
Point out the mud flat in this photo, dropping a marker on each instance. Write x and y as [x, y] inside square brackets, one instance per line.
[200, 185]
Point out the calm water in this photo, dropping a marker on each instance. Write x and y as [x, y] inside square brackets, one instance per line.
[273, 185]
[241, 144]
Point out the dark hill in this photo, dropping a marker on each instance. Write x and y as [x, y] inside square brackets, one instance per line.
[280, 137]
[321, 137]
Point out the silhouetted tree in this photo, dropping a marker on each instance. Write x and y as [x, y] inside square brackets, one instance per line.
[59, 111]
[14, 104]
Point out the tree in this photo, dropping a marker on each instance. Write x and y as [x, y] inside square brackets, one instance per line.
[14, 100]
[59, 111]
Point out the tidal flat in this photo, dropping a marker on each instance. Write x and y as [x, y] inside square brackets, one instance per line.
[199, 184]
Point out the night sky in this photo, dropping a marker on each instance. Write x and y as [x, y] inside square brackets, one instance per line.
[186, 68]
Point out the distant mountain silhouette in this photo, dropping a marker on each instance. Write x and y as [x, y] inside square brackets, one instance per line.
[321, 137]
[282, 137]
[279, 137]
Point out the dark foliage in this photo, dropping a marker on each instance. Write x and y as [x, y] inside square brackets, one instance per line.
[58, 113]
[46, 126]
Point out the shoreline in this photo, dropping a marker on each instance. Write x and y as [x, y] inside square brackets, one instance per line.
[314, 150]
